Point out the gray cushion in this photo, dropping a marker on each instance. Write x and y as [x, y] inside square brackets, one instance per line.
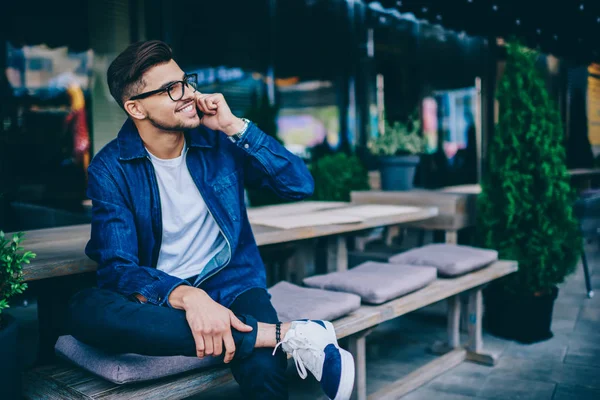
[376, 282]
[449, 259]
[294, 302]
[125, 368]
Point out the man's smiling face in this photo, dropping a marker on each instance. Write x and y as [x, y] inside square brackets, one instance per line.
[160, 109]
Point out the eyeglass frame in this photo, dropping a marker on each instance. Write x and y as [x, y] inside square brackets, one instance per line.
[184, 82]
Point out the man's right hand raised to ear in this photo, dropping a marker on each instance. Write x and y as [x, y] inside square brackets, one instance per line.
[209, 321]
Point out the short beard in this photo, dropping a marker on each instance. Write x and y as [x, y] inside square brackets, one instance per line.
[172, 128]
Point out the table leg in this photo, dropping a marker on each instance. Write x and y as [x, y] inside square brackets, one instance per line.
[357, 346]
[303, 262]
[391, 233]
[337, 254]
[451, 237]
[453, 316]
[475, 347]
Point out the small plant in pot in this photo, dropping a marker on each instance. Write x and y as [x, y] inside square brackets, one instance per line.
[399, 150]
[337, 175]
[12, 258]
[525, 208]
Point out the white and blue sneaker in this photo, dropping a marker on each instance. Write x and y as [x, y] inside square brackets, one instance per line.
[314, 346]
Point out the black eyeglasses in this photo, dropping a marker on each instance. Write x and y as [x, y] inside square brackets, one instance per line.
[176, 89]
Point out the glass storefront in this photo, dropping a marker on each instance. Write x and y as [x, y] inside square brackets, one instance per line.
[318, 74]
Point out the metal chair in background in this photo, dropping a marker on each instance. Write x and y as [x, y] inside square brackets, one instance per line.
[587, 210]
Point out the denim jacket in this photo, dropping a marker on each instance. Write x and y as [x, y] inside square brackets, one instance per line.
[126, 214]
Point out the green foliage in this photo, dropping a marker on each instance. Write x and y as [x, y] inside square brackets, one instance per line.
[12, 259]
[400, 139]
[336, 175]
[525, 208]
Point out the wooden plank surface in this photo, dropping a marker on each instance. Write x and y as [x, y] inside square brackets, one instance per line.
[37, 385]
[255, 213]
[169, 388]
[466, 189]
[584, 172]
[455, 210]
[60, 251]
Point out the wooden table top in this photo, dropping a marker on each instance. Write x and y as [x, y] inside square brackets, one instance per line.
[455, 210]
[60, 251]
[584, 172]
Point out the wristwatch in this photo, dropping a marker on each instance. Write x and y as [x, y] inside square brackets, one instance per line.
[236, 137]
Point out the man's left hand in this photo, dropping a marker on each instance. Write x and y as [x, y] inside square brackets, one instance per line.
[217, 114]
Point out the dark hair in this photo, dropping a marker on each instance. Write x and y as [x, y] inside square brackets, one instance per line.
[124, 74]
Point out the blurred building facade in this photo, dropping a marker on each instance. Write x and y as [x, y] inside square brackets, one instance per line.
[331, 69]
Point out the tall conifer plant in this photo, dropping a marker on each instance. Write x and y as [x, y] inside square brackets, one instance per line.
[525, 208]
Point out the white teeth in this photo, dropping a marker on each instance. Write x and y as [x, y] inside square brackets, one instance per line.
[187, 109]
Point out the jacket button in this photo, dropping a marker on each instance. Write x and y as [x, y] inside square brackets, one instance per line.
[246, 145]
[159, 298]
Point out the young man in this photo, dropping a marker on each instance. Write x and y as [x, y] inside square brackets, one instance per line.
[179, 272]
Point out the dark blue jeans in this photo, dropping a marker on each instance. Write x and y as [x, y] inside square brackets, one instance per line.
[110, 321]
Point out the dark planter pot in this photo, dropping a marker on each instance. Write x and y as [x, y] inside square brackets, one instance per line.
[398, 172]
[524, 318]
[10, 368]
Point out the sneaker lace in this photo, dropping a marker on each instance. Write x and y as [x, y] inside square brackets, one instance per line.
[298, 344]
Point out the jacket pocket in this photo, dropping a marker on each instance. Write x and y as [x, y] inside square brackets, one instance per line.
[227, 189]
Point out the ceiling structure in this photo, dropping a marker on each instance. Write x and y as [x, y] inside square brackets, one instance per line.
[564, 28]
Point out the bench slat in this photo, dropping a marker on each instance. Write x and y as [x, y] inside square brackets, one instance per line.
[40, 386]
[94, 386]
[176, 388]
[75, 376]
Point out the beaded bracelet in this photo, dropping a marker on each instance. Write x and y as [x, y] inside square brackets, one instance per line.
[278, 332]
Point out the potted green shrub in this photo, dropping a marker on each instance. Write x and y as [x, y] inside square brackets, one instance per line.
[336, 175]
[12, 259]
[399, 150]
[525, 207]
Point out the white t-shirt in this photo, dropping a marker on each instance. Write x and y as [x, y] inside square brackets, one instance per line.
[190, 234]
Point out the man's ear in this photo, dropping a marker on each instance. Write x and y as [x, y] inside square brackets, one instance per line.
[135, 109]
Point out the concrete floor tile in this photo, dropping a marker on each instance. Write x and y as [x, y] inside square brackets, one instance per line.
[548, 351]
[456, 383]
[524, 369]
[590, 314]
[516, 389]
[431, 394]
[577, 375]
[568, 392]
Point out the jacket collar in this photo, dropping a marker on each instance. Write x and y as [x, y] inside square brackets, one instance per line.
[131, 146]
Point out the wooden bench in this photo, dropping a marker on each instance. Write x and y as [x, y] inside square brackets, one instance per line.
[64, 381]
